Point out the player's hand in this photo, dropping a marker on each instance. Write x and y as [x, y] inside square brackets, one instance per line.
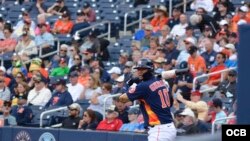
[179, 96]
[123, 98]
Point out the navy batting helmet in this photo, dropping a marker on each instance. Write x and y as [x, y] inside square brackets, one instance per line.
[145, 64]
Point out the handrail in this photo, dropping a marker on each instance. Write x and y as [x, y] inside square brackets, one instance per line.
[214, 122]
[95, 25]
[50, 111]
[50, 53]
[105, 100]
[209, 74]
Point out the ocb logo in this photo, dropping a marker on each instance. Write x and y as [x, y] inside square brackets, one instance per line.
[236, 132]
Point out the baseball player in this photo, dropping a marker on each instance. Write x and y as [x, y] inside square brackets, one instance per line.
[155, 102]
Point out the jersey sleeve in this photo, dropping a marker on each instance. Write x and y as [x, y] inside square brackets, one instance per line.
[136, 92]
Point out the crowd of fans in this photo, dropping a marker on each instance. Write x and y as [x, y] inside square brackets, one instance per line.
[78, 71]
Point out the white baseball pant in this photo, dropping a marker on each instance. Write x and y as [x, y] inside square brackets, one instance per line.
[163, 132]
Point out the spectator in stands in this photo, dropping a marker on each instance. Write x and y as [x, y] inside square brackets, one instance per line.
[127, 72]
[40, 94]
[92, 43]
[230, 5]
[2, 24]
[57, 8]
[228, 87]
[8, 44]
[73, 120]
[233, 113]
[7, 80]
[240, 16]
[209, 55]
[192, 125]
[4, 91]
[215, 79]
[178, 118]
[158, 65]
[135, 46]
[123, 58]
[160, 18]
[179, 29]
[16, 79]
[184, 55]
[84, 76]
[11, 120]
[184, 82]
[17, 66]
[61, 96]
[54, 63]
[233, 38]
[196, 63]
[136, 56]
[111, 123]
[133, 125]
[41, 19]
[217, 105]
[223, 11]
[175, 19]
[74, 88]
[171, 52]
[206, 4]
[89, 12]
[120, 85]
[21, 111]
[26, 46]
[73, 50]
[200, 11]
[62, 70]
[77, 63]
[114, 74]
[38, 7]
[165, 30]
[98, 71]
[189, 33]
[45, 40]
[88, 121]
[139, 35]
[88, 54]
[37, 66]
[80, 23]
[97, 99]
[91, 87]
[26, 20]
[63, 25]
[21, 89]
[122, 110]
[202, 20]
[232, 51]
[146, 39]
[151, 52]
[195, 104]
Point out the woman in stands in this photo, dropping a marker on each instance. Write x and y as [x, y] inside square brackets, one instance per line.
[88, 121]
[26, 47]
[151, 52]
[63, 25]
[21, 89]
[160, 19]
[90, 88]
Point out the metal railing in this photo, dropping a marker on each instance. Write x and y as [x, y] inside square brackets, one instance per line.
[210, 74]
[50, 111]
[105, 101]
[220, 119]
[140, 9]
[41, 55]
[95, 25]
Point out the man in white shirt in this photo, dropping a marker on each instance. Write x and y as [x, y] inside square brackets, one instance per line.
[40, 94]
[208, 5]
[180, 29]
[75, 89]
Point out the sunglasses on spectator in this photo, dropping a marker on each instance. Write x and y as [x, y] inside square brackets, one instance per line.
[72, 109]
[76, 58]
[85, 115]
[63, 50]
[1, 81]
